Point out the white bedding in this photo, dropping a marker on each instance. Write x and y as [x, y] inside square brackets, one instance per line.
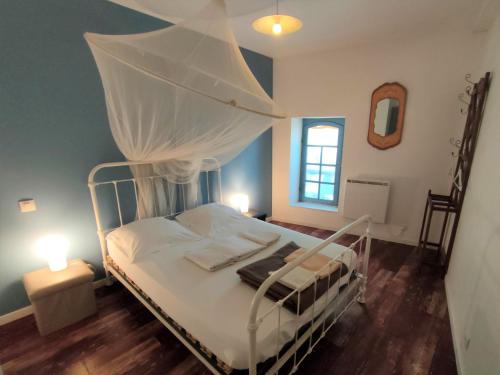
[214, 306]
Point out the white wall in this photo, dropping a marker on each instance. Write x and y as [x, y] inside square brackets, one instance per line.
[473, 280]
[340, 83]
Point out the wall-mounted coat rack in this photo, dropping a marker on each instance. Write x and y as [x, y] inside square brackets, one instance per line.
[475, 99]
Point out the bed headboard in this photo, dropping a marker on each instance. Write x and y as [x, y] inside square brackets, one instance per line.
[122, 193]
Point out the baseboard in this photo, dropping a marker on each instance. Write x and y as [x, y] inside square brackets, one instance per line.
[28, 310]
[403, 241]
[16, 314]
[454, 334]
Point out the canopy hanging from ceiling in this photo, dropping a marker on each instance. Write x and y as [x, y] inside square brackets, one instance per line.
[177, 10]
[180, 95]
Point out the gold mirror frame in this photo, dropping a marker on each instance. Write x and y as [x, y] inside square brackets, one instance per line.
[392, 90]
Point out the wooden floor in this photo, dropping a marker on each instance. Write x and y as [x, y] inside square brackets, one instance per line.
[402, 329]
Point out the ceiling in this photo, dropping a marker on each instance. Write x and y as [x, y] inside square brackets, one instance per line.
[330, 24]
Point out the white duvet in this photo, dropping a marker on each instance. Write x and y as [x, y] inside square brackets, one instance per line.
[214, 306]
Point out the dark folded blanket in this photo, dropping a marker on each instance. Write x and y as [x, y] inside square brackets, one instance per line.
[255, 273]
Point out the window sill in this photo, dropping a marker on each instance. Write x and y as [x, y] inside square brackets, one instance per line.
[315, 206]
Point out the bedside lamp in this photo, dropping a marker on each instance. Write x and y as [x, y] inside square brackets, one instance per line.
[54, 248]
[240, 202]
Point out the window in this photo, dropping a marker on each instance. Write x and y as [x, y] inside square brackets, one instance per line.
[321, 158]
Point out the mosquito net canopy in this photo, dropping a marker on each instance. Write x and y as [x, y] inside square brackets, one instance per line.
[181, 95]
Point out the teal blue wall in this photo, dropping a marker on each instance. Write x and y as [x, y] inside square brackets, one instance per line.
[54, 129]
[250, 172]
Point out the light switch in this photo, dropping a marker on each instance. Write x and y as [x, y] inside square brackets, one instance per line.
[27, 205]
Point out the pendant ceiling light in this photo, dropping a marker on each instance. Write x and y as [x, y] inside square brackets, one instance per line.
[277, 24]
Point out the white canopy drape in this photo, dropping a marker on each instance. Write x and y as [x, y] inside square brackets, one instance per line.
[178, 96]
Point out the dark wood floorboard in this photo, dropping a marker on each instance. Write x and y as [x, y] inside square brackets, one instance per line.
[402, 329]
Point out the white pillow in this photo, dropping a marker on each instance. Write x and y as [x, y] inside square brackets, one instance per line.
[147, 236]
[212, 220]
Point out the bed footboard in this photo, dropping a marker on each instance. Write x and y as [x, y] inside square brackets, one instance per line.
[324, 311]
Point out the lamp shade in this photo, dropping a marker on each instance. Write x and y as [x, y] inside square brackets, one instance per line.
[54, 249]
[240, 202]
[278, 24]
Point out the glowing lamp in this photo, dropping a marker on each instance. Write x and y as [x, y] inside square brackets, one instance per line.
[277, 28]
[240, 202]
[278, 24]
[54, 248]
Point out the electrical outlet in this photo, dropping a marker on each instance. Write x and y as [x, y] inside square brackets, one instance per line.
[27, 205]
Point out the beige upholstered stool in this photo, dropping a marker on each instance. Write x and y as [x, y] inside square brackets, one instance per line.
[61, 298]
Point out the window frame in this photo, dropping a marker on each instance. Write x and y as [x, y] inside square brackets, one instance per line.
[308, 123]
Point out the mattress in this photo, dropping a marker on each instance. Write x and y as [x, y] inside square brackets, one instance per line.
[214, 306]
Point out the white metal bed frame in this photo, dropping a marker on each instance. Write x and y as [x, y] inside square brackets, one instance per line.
[322, 317]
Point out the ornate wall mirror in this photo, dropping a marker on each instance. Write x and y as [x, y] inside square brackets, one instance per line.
[387, 115]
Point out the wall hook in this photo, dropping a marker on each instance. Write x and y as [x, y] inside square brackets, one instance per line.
[462, 98]
[455, 142]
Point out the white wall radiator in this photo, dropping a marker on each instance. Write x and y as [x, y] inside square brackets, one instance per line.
[366, 197]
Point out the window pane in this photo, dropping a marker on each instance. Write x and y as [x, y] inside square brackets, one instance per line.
[329, 155]
[323, 135]
[312, 172]
[326, 192]
[311, 190]
[328, 174]
[313, 154]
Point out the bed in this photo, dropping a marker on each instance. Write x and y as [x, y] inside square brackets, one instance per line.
[230, 326]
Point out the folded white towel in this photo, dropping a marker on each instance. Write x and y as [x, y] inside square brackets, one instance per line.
[241, 248]
[223, 252]
[298, 278]
[211, 258]
[261, 237]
